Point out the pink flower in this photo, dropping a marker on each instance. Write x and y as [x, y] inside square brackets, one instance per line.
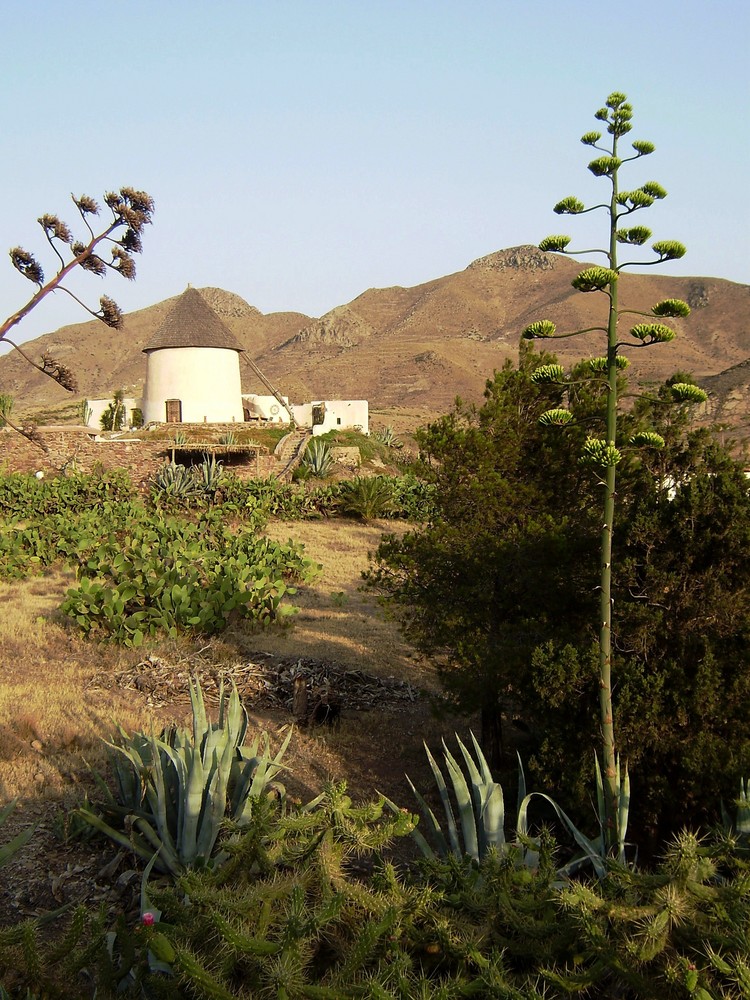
[148, 918]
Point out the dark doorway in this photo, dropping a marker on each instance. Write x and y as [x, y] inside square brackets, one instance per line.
[174, 411]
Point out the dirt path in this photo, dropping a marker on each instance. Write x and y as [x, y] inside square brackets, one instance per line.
[339, 620]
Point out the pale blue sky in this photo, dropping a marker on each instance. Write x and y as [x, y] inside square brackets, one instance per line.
[301, 151]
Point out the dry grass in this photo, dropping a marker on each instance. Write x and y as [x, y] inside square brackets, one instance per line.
[50, 715]
[59, 695]
[337, 619]
[53, 715]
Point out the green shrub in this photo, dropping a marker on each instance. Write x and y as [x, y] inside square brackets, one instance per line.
[284, 916]
[7, 403]
[60, 537]
[263, 498]
[24, 497]
[36, 963]
[288, 916]
[413, 498]
[367, 497]
[680, 931]
[368, 447]
[257, 500]
[169, 575]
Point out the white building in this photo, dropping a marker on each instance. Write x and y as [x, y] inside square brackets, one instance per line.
[193, 370]
[193, 377]
[265, 408]
[333, 414]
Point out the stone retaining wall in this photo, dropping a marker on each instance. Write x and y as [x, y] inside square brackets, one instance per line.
[76, 447]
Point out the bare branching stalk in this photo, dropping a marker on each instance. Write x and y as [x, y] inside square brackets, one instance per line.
[131, 211]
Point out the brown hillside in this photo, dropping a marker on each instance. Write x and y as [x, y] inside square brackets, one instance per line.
[105, 360]
[416, 348]
[729, 395]
[420, 347]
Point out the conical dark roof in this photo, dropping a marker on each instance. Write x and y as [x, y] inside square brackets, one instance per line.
[192, 323]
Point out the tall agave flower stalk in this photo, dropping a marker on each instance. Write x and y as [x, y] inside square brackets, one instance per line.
[604, 454]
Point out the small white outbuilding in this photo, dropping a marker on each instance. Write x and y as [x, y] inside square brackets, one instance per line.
[269, 409]
[193, 368]
[333, 414]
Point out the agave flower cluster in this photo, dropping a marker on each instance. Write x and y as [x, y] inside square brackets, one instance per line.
[130, 212]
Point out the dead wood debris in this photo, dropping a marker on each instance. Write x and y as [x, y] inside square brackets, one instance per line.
[266, 681]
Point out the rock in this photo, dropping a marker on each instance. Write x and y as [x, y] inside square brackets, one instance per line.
[523, 258]
[350, 458]
[697, 296]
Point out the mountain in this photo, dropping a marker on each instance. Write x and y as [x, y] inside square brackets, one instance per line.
[105, 360]
[418, 348]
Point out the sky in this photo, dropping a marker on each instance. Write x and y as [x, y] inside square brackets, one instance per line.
[302, 151]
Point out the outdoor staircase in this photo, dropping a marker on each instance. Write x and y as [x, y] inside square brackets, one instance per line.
[289, 451]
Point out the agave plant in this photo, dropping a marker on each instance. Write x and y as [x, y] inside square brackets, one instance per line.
[596, 851]
[228, 438]
[481, 813]
[13, 846]
[174, 791]
[210, 474]
[318, 458]
[175, 480]
[480, 805]
[387, 436]
[739, 824]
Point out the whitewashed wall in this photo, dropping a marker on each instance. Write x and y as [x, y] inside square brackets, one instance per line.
[266, 408]
[340, 414]
[205, 379]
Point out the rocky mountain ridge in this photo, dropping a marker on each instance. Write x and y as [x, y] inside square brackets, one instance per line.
[417, 348]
